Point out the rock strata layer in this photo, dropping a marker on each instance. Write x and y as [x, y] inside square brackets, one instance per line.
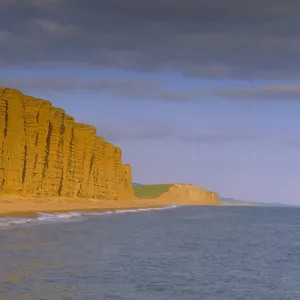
[45, 153]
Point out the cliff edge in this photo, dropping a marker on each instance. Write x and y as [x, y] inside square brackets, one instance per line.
[188, 194]
[45, 153]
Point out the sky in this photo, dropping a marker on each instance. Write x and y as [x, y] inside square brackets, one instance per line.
[197, 91]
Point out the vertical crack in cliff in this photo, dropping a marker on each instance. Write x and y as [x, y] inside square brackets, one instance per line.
[82, 168]
[25, 147]
[6, 119]
[91, 165]
[47, 149]
[24, 164]
[3, 125]
[90, 171]
[35, 161]
[72, 152]
[36, 138]
[60, 146]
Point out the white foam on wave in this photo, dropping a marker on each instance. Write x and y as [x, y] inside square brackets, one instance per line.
[69, 216]
[81, 214]
[102, 213]
[9, 222]
[123, 211]
[58, 216]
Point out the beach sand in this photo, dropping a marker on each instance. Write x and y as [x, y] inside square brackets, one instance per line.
[23, 207]
[18, 206]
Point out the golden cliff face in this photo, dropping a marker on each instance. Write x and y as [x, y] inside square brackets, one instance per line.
[45, 153]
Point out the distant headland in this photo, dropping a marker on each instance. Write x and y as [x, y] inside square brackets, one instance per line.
[188, 194]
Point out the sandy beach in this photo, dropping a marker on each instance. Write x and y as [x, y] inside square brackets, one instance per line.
[17, 207]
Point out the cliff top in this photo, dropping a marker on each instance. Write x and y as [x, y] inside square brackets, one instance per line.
[150, 190]
[156, 190]
[187, 194]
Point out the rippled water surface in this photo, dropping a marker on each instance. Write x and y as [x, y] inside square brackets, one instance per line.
[206, 253]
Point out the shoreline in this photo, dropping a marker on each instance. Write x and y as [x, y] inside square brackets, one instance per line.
[25, 207]
[34, 214]
[30, 208]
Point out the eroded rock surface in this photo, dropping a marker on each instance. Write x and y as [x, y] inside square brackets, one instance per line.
[45, 153]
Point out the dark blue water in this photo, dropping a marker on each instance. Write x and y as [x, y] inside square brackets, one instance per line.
[207, 253]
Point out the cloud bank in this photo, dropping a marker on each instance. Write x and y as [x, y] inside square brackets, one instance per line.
[159, 131]
[209, 38]
[272, 92]
[143, 89]
[132, 89]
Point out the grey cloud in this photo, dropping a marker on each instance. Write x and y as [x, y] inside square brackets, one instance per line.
[4, 36]
[53, 28]
[134, 89]
[291, 141]
[44, 84]
[219, 137]
[274, 92]
[132, 133]
[125, 88]
[293, 144]
[154, 131]
[210, 38]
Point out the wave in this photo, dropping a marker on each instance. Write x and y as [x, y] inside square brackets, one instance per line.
[145, 209]
[71, 216]
[8, 222]
[125, 211]
[60, 216]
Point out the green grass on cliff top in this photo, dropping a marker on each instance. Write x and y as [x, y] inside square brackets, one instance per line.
[151, 190]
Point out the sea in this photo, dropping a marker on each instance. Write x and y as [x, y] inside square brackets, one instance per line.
[184, 253]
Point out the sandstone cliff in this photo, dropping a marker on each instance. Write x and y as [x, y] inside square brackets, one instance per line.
[45, 153]
[177, 194]
[190, 194]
